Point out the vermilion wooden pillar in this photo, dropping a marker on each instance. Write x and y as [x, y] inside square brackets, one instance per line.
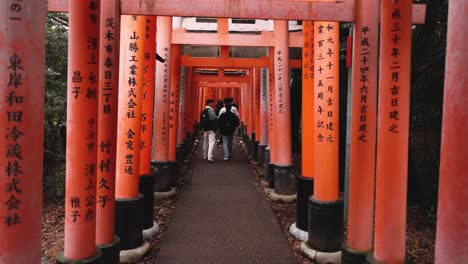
[109, 37]
[325, 207]
[160, 152]
[452, 212]
[363, 136]
[263, 124]
[174, 111]
[146, 131]
[129, 202]
[82, 124]
[392, 130]
[255, 113]
[305, 182]
[182, 107]
[270, 151]
[284, 179]
[22, 61]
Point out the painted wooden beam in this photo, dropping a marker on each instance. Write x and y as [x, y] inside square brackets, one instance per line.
[221, 84]
[217, 78]
[262, 9]
[264, 39]
[217, 62]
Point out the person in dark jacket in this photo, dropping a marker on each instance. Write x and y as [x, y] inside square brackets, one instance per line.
[209, 125]
[228, 123]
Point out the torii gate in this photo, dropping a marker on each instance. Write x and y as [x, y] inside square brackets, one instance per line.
[24, 68]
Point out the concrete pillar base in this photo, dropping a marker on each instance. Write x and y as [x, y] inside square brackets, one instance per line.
[318, 256]
[281, 197]
[298, 233]
[96, 259]
[163, 178]
[180, 156]
[270, 175]
[111, 251]
[371, 260]
[129, 222]
[350, 256]
[264, 184]
[325, 225]
[164, 195]
[146, 189]
[134, 255]
[254, 150]
[305, 188]
[174, 172]
[284, 180]
[261, 155]
[151, 232]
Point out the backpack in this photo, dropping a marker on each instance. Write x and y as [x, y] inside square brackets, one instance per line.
[232, 121]
[204, 119]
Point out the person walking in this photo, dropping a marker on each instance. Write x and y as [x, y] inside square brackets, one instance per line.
[228, 123]
[209, 125]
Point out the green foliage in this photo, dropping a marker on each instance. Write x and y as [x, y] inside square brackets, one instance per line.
[55, 104]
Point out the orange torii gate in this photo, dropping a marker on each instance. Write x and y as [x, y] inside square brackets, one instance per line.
[342, 11]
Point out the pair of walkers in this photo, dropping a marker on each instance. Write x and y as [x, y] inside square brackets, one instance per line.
[227, 122]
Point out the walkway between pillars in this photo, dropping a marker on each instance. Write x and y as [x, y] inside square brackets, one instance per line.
[223, 217]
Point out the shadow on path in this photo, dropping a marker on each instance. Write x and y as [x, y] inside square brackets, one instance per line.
[223, 217]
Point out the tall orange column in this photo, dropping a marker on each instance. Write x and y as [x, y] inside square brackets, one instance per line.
[257, 103]
[160, 154]
[325, 206]
[305, 181]
[452, 212]
[174, 112]
[107, 125]
[263, 124]
[270, 151]
[128, 202]
[393, 132]
[182, 108]
[82, 124]
[363, 136]
[146, 131]
[255, 113]
[284, 179]
[22, 61]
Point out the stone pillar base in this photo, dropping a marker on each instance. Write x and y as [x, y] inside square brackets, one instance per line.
[325, 225]
[284, 180]
[298, 233]
[96, 259]
[319, 256]
[305, 188]
[163, 178]
[151, 232]
[281, 197]
[164, 195]
[350, 256]
[146, 189]
[134, 255]
[111, 251]
[129, 222]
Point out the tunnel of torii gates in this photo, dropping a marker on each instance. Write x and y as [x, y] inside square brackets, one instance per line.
[115, 85]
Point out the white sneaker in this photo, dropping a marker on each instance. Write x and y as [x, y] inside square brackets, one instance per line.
[226, 158]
